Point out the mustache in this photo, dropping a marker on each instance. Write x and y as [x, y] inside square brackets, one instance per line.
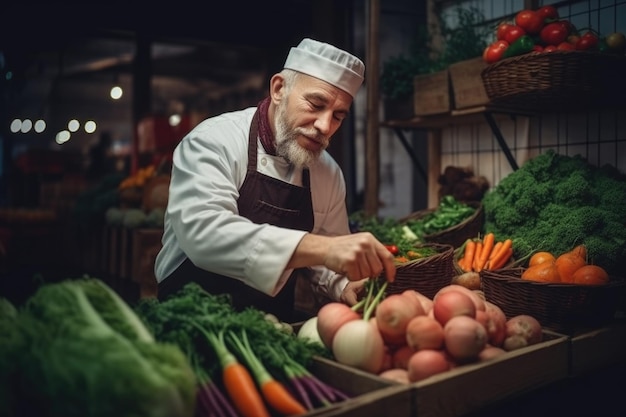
[313, 134]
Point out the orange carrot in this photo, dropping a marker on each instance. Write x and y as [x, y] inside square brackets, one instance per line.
[468, 257]
[488, 244]
[477, 255]
[237, 379]
[495, 250]
[503, 260]
[503, 255]
[276, 395]
[280, 399]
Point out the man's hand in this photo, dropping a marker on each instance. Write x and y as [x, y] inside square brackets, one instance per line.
[355, 256]
[358, 256]
[353, 292]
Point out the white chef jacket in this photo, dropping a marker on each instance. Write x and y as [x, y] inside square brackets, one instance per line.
[202, 221]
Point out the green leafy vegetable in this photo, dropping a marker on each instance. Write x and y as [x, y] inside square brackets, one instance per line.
[555, 202]
[79, 350]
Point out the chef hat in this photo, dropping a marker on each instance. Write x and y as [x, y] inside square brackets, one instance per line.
[328, 63]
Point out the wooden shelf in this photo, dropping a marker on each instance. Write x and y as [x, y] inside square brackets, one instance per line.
[454, 117]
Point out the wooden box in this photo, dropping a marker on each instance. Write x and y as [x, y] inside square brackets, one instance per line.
[462, 390]
[598, 348]
[370, 394]
[432, 93]
[475, 386]
[467, 83]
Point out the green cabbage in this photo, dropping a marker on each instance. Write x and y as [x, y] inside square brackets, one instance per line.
[77, 349]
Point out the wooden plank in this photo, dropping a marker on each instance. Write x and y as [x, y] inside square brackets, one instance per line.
[598, 349]
[434, 166]
[372, 134]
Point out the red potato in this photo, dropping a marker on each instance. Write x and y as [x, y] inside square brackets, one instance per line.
[393, 314]
[330, 318]
[452, 303]
[400, 375]
[417, 298]
[427, 362]
[426, 303]
[521, 331]
[490, 352]
[424, 332]
[494, 321]
[479, 301]
[465, 338]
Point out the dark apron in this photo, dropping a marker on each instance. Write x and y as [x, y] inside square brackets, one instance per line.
[262, 199]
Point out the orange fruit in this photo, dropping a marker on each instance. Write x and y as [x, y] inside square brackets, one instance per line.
[590, 275]
[541, 257]
[543, 272]
[567, 264]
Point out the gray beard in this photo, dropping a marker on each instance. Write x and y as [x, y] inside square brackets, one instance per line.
[286, 141]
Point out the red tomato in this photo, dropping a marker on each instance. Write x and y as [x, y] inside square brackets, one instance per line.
[554, 33]
[513, 33]
[532, 22]
[565, 46]
[502, 29]
[573, 39]
[549, 48]
[537, 48]
[588, 41]
[548, 12]
[494, 51]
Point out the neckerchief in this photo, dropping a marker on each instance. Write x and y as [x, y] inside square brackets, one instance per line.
[265, 132]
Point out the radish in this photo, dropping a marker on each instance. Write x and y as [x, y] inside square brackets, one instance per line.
[427, 362]
[453, 303]
[494, 320]
[490, 352]
[358, 343]
[426, 303]
[479, 301]
[308, 331]
[424, 332]
[400, 356]
[396, 374]
[393, 314]
[465, 338]
[330, 318]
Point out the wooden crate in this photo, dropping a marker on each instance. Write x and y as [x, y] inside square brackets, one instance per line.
[454, 393]
[598, 348]
[370, 394]
[472, 387]
[467, 83]
[432, 93]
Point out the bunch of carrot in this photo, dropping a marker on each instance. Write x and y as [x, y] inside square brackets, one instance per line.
[485, 253]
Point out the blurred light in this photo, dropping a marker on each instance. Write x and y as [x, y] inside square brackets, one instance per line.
[73, 125]
[27, 124]
[62, 137]
[116, 92]
[174, 120]
[16, 125]
[8, 76]
[90, 126]
[40, 126]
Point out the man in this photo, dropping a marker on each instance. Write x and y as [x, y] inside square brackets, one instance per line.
[254, 196]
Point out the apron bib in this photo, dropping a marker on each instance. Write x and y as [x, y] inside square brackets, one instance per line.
[262, 199]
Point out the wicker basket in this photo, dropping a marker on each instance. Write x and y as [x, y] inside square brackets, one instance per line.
[559, 80]
[563, 308]
[456, 235]
[426, 275]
